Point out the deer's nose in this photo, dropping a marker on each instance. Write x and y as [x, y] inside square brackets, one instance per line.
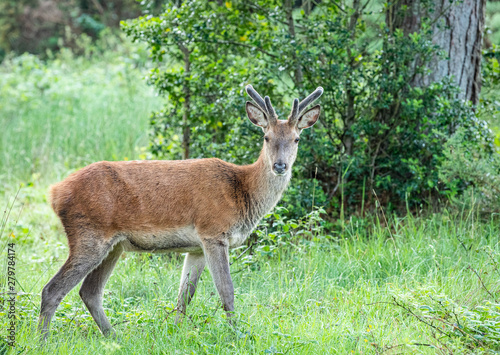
[279, 168]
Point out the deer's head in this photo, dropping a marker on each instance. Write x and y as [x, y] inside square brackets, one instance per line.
[281, 137]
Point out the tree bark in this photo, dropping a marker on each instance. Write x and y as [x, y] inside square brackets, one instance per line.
[458, 29]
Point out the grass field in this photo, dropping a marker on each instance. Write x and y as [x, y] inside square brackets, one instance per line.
[407, 285]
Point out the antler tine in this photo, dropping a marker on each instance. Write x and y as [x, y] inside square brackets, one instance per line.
[270, 110]
[310, 99]
[257, 98]
[294, 115]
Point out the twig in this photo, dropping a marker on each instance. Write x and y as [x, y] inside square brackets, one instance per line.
[6, 216]
[118, 323]
[433, 326]
[98, 6]
[463, 245]
[399, 345]
[482, 283]
[175, 310]
[339, 8]
[244, 251]
[494, 262]
[396, 303]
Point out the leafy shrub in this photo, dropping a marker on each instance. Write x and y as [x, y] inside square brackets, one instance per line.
[276, 231]
[489, 104]
[465, 323]
[472, 164]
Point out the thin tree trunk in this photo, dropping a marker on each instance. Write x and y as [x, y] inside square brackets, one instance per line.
[298, 76]
[186, 134]
[350, 114]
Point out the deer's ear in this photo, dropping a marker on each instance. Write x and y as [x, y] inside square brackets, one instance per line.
[255, 115]
[309, 118]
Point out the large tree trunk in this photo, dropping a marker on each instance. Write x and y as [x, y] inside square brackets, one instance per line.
[458, 30]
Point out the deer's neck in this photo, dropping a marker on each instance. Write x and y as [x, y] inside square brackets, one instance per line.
[264, 188]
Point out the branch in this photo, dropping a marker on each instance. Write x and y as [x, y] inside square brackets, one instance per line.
[482, 283]
[98, 6]
[241, 45]
[244, 251]
[251, 47]
[396, 303]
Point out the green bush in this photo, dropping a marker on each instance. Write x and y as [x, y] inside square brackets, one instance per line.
[471, 165]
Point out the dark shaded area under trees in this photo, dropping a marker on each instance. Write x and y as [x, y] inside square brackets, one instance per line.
[37, 25]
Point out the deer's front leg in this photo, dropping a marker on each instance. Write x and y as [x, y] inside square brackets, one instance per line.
[217, 257]
[194, 263]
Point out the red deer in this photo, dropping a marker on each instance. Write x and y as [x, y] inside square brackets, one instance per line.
[201, 207]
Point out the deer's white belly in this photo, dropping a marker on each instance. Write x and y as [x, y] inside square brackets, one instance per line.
[184, 239]
[181, 240]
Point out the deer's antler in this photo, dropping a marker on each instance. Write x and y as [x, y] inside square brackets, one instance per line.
[298, 109]
[263, 104]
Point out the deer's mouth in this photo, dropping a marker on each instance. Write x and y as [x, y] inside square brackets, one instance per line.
[280, 173]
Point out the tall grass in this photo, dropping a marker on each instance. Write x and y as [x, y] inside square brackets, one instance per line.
[70, 111]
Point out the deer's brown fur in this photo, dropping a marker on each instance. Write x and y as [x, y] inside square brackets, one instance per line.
[201, 206]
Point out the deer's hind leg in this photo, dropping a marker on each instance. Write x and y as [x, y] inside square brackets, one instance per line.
[87, 250]
[92, 289]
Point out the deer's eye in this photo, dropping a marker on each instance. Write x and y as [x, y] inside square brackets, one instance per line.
[266, 138]
[297, 140]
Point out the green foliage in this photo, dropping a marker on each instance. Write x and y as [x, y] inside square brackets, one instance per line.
[492, 21]
[88, 24]
[10, 31]
[411, 144]
[490, 105]
[472, 165]
[491, 71]
[277, 231]
[379, 131]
